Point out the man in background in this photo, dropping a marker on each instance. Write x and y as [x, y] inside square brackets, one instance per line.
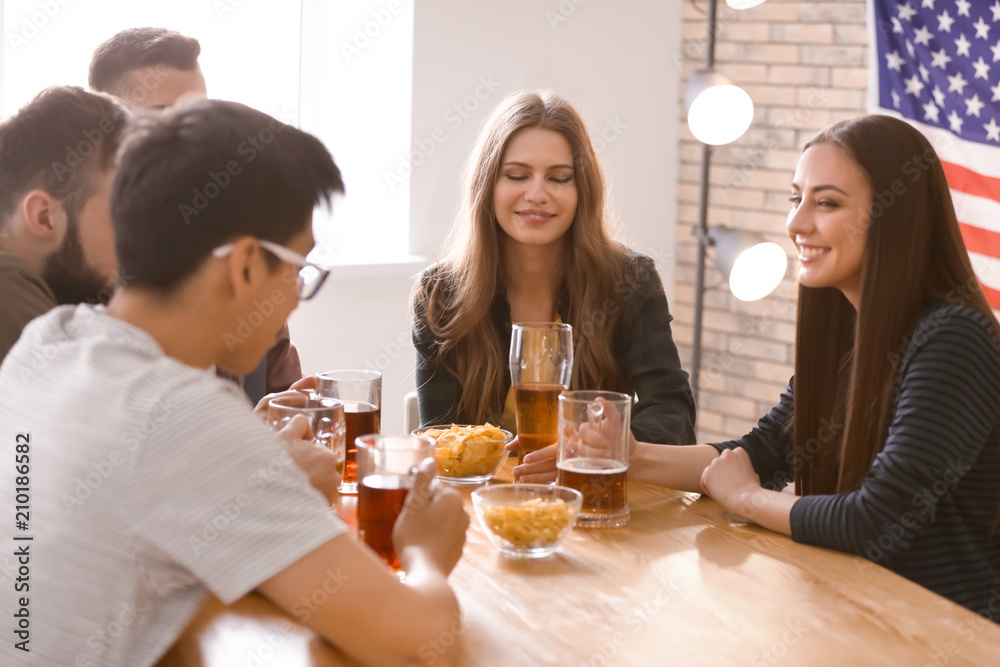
[156, 68]
[57, 163]
[151, 68]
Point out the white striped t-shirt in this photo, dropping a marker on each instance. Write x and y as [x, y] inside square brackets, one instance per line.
[150, 483]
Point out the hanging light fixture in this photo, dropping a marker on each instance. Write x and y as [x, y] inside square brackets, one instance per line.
[743, 4]
[752, 266]
[719, 112]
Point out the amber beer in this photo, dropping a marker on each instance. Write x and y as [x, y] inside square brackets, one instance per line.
[601, 481]
[537, 412]
[361, 393]
[380, 500]
[360, 418]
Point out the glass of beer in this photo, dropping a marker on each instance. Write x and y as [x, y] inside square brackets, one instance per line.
[361, 392]
[326, 420]
[541, 367]
[593, 454]
[386, 468]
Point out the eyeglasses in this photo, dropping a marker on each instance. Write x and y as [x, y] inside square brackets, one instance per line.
[310, 277]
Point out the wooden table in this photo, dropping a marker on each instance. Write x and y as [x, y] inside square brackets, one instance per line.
[683, 584]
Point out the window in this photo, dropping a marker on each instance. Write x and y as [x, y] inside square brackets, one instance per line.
[341, 70]
[357, 72]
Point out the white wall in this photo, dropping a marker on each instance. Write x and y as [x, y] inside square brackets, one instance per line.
[615, 61]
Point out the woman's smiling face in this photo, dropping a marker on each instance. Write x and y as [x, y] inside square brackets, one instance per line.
[831, 204]
[535, 196]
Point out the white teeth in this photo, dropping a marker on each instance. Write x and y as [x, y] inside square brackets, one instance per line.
[808, 253]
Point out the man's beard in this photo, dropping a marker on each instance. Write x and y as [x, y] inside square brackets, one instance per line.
[69, 276]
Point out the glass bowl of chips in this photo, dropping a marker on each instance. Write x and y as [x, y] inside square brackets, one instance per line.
[527, 520]
[467, 454]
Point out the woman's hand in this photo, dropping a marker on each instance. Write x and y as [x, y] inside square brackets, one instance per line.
[538, 467]
[305, 384]
[731, 480]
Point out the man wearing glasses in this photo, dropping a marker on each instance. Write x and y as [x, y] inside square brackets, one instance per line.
[145, 468]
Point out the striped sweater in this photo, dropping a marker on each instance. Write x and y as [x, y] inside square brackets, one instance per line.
[927, 505]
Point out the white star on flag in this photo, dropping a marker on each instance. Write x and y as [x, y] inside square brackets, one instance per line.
[982, 28]
[992, 130]
[957, 83]
[938, 59]
[962, 46]
[927, 4]
[963, 7]
[906, 12]
[914, 85]
[931, 112]
[938, 96]
[895, 61]
[924, 74]
[973, 106]
[996, 11]
[956, 122]
[982, 69]
[895, 99]
[945, 21]
[996, 51]
[996, 93]
[922, 36]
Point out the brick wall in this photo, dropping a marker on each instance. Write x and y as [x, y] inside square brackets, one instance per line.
[804, 66]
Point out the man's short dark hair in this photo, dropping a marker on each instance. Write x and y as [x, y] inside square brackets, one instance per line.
[140, 47]
[199, 176]
[60, 142]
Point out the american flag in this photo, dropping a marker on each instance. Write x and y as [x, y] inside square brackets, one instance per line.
[936, 64]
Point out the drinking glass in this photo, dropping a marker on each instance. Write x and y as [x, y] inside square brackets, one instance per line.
[593, 454]
[325, 416]
[541, 367]
[387, 465]
[361, 392]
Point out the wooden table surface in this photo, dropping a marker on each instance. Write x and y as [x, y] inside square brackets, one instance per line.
[684, 584]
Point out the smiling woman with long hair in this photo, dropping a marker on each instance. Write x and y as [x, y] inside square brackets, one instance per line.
[890, 428]
[531, 244]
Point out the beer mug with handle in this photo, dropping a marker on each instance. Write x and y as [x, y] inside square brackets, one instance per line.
[593, 454]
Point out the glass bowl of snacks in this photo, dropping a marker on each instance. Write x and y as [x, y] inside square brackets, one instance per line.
[527, 520]
[467, 454]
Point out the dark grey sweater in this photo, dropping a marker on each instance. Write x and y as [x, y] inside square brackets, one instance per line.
[926, 507]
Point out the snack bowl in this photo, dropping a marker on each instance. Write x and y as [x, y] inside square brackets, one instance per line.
[467, 454]
[527, 520]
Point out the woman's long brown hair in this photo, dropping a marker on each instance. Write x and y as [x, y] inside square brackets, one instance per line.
[846, 362]
[469, 279]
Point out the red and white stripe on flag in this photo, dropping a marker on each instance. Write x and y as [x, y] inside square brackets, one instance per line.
[936, 65]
